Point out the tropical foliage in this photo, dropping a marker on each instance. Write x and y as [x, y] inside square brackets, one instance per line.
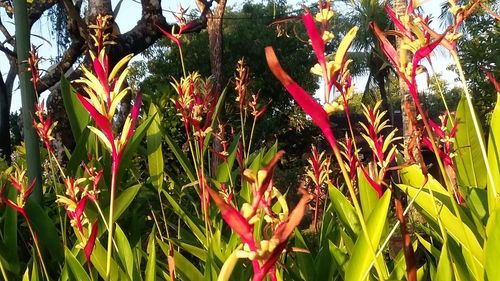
[216, 207]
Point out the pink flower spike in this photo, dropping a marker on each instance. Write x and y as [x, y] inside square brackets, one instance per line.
[89, 247]
[305, 101]
[316, 41]
[436, 129]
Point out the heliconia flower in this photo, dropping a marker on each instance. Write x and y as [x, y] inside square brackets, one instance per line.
[44, 126]
[20, 182]
[316, 41]
[176, 32]
[305, 101]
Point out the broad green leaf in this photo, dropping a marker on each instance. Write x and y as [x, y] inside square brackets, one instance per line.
[154, 150]
[123, 201]
[492, 246]
[98, 259]
[345, 211]
[270, 153]
[76, 271]
[444, 269]
[151, 258]
[124, 251]
[304, 260]
[228, 267]
[45, 230]
[361, 258]
[456, 228]
[367, 195]
[77, 115]
[181, 157]
[341, 259]
[494, 154]
[468, 160]
[80, 151]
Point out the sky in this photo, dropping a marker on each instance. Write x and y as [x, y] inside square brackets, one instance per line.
[129, 14]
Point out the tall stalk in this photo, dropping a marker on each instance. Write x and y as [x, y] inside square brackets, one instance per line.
[27, 98]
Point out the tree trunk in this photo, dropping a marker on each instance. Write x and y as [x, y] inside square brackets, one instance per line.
[407, 111]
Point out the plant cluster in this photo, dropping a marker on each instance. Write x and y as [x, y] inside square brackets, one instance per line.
[225, 215]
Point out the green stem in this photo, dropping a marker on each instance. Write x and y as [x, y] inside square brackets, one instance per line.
[251, 135]
[110, 219]
[182, 62]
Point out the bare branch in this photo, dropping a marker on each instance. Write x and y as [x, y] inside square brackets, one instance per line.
[74, 51]
[8, 51]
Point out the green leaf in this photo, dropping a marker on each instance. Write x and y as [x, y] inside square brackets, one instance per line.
[151, 258]
[468, 161]
[191, 249]
[444, 269]
[361, 258]
[367, 195]
[345, 211]
[77, 115]
[124, 251]
[10, 221]
[154, 150]
[181, 157]
[123, 201]
[492, 246]
[195, 229]
[45, 230]
[76, 271]
[456, 228]
[98, 259]
[133, 145]
[304, 260]
[79, 152]
[494, 154]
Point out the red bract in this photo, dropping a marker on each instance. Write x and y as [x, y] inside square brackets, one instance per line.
[305, 101]
[317, 42]
[89, 246]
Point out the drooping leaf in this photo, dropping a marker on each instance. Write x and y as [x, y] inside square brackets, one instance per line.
[123, 201]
